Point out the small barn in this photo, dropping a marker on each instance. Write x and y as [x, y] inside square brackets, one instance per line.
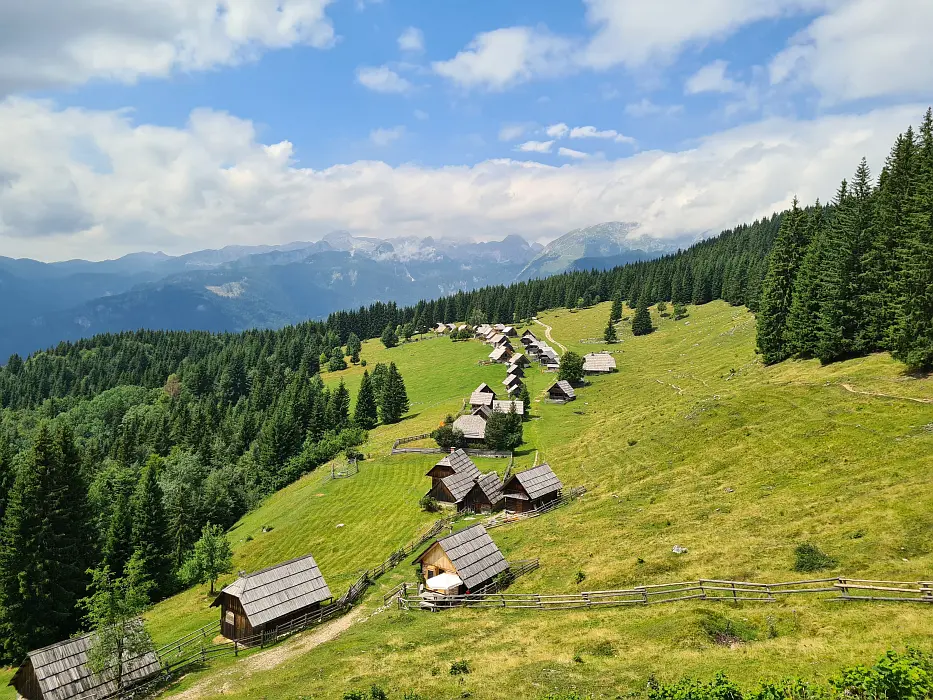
[452, 477]
[511, 381]
[531, 489]
[499, 339]
[520, 360]
[501, 354]
[509, 331]
[473, 426]
[561, 391]
[528, 337]
[482, 397]
[483, 411]
[269, 597]
[462, 562]
[485, 496]
[599, 363]
[506, 406]
[514, 390]
[517, 370]
[60, 672]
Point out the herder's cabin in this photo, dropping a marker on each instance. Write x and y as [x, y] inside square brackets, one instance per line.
[506, 406]
[454, 475]
[269, 597]
[501, 354]
[485, 496]
[60, 672]
[482, 396]
[473, 426]
[599, 363]
[531, 489]
[528, 337]
[561, 391]
[462, 562]
[516, 370]
[520, 360]
[509, 331]
[511, 380]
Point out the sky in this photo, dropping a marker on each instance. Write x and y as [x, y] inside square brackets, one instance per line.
[178, 125]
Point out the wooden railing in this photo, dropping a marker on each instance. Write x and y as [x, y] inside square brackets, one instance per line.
[504, 518]
[846, 589]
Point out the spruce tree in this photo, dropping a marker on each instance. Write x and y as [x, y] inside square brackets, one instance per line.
[802, 332]
[7, 472]
[151, 549]
[43, 547]
[366, 413]
[615, 314]
[394, 401]
[610, 335]
[339, 409]
[118, 541]
[913, 331]
[641, 321]
[389, 337]
[778, 286]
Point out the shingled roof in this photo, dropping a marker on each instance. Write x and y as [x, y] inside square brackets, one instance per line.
[279, 590]
[563, 387]
[460, 482]
[499, 353]
[599, 362]
[62, 673]
[537, 482]
[491, 485]
[473, 427]
[474, 555]
[483, 388]
[481, 398]
[506, 406]
[459, 461]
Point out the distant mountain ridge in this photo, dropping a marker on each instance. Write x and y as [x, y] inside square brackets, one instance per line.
[267, 286]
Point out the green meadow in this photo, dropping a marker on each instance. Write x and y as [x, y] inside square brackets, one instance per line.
[693, 442]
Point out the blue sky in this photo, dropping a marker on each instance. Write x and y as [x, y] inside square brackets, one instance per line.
[182, 124]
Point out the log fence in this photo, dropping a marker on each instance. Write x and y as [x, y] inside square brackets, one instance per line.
[504, 518]
[845, 589]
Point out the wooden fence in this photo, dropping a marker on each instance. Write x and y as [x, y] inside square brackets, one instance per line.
[504, 518]
[845, 589]
[396, 450]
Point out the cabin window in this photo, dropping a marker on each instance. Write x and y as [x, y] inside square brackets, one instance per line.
[229, 617]
[429, 572]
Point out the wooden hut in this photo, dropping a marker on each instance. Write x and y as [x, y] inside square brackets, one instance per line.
[598, 363]
[531, 489]
[473, 426]
[269, 597]
[501, 354]
[509, 331]
[517, 370]
[520, 360]
[462, 562]
[511, 380]
[483, 395]
[506, 406]
[561, 391]
[528, 337]
[60, 672]
[485, 496]
[452, 477]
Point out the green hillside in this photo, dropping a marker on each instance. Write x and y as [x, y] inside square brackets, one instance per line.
[692, 442]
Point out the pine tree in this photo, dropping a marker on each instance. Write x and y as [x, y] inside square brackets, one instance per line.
[354, 346]
[366, 413]
[778, 286]
[43, 547]
[151, 550]
[615, 314]
[913, 332]
[7, 472]
[802, 332]
[394, 401]
[118, 542]
[525, 398]
[641, 321]
[610, 335]
[339, 408]
[389, 337]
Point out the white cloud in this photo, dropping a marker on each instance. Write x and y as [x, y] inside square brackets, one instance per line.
[213, 183]
[635, 33]
[50, 43]
[591, 132]
[570, 153]
[382, 79]
[512, 132]
[384, 137]
[647, 108]
[863, 49]
[420, 114]
[412, 39]
[535, 146]
[557, 131]
[712, 78]
[502, 58]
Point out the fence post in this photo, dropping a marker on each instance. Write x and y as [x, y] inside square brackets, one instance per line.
[734, 595]
[235, 649]
[844, 587]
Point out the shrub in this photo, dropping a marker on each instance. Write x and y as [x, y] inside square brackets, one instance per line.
[377, 693]
[459, 668]
[722, 630]
[809, 557]
[429, 504]
[680, 311]
[446, 437]
[579, 577]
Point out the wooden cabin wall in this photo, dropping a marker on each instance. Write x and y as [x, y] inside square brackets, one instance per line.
[440, 493]
[26, 683]
[240, 627]
[438, 560]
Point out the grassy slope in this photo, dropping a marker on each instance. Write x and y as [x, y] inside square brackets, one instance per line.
[658, 444]
[676, 448]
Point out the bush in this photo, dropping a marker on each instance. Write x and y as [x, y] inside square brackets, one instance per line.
[579, 577]
[721, 630]
[809, 557]
[429, 504]
[447, 437]
[680, 311]
[459, 668]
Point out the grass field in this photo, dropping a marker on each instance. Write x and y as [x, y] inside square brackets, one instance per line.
[692, 442]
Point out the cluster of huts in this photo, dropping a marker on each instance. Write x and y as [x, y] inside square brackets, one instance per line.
[483, 403]
[457, 481]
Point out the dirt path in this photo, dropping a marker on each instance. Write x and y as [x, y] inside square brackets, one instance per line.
[547, 333]
[219, 683]
[852, 390]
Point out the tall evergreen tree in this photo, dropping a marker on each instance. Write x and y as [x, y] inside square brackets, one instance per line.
[615, 313]
[151, 549]
[610, 335]
[801, 335]
[366, 413]
[777, 289]
[339, 409]
[641, 321]
[118, 542]
[389, 337]
[43, 547]
[7, 471]
[394, 401]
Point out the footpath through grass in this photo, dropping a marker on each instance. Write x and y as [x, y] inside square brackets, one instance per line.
[693, 443]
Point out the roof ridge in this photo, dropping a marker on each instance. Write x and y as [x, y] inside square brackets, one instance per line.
[246, 577]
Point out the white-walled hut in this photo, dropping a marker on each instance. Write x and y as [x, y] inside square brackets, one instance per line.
[270, 597]
[60, 672]
[531, 489]
[462, 562]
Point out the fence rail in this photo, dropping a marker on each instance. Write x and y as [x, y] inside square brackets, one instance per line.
[503, 518]
[846, 589]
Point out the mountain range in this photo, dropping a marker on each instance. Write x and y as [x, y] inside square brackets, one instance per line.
[239, 287]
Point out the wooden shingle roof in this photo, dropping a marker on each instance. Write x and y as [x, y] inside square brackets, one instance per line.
[279, 590]
[483, 388]
[499, 353]
[474, 555]
[512, 379]
[491, 485]
[506, 406]
[62, 673]
[599, 362]
[563, 387]
[537, 482]
[481, 398]
[459, 461]
[473, 427]
[460, 482]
